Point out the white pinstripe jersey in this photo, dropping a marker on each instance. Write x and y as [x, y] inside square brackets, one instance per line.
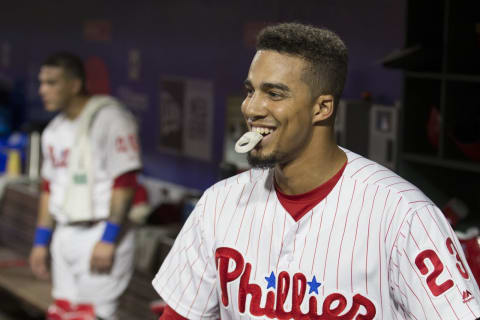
[376, 246]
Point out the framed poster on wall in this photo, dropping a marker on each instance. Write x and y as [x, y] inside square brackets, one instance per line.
[186, 117]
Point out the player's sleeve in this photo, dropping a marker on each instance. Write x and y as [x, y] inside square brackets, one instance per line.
[430, 278]
[186, 280]
[122, 144]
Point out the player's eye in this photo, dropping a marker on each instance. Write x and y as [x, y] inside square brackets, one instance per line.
[249, 91]
[275, 95]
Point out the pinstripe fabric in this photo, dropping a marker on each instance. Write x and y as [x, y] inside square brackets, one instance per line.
[375, 236]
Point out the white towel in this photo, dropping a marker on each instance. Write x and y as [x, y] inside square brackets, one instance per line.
[77, 203]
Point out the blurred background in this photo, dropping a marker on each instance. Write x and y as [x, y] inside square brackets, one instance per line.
[410, 103]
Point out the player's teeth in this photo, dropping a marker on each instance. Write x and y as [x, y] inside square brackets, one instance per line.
[262, 130]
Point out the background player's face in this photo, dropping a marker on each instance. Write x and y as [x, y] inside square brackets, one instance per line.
[279, 105]
[57, 89]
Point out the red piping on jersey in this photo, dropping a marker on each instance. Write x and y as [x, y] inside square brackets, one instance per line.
[298, 205]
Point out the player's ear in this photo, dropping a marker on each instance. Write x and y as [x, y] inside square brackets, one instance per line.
[323, 108]
[76, 85]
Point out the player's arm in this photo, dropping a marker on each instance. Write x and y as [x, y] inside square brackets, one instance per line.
[192, 249]
[430, 269]
[121, 156]
[45, 223]
[123, 191]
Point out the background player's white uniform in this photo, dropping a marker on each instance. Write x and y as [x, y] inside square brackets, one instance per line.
[375, 246]
[113, 139]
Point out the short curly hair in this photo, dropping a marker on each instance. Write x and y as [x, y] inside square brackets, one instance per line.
[322, 48]
[71, 64]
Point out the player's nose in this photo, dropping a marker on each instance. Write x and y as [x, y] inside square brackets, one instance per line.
[254, 108]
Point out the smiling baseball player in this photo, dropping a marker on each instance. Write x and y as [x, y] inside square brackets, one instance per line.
[314, 231]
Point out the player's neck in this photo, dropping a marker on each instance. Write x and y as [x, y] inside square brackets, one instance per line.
[75, 107]
[311, 169]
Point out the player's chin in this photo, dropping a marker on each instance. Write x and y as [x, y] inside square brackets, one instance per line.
[51, 107]
[257, 160]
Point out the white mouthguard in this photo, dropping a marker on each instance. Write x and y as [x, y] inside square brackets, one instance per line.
[248, 141]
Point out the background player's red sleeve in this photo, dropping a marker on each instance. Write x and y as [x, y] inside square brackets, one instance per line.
[126, 180]
[170, 314]
[45, 186]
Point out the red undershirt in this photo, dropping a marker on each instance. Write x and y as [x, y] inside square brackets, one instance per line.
[299, 204]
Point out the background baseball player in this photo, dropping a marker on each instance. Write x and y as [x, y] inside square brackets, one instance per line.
[90, 160]
[317, 232]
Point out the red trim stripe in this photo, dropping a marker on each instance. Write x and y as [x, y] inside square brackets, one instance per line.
[421, 282]
[453, 309]
[305, 242]
[380, 250]
[414, 294]
[198, 289]
[344, 228]
[233, 214]
[281, 247]
[318, 234]
[179, 249]
[271, 235]
[250, 231]
[401, 182]
[261, 226]
[176, 269]
[367, 165]
[375, 172]
[385, 178]
[330, 236]
[191, 278]
[368, 241]
[244, 211]
[295, 243]
[355, 239]
[215, 215]
[391, 220]
[407, 190]
[208, 300]
[355, 159]
[396, 238]
[221, 210]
